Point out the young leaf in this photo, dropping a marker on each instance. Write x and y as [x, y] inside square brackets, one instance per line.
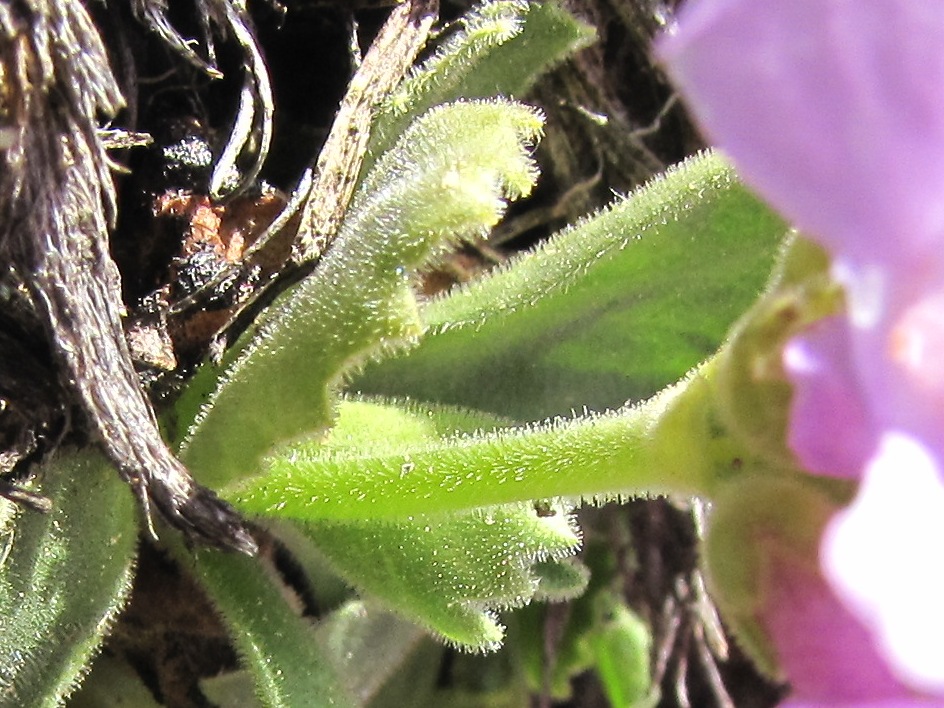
[560, 580]
[621, 646]
[501, 48]
[447, 178]
[611, 309]
[64, 576]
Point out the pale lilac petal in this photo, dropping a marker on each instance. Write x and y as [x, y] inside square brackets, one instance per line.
[827, 654]
[883, 556]
[831, 429]
[832, 109]
[908, 390]
[898, 702]
[890, 350]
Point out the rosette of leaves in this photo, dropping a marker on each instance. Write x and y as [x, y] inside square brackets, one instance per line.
[441, 486]
[444, 512]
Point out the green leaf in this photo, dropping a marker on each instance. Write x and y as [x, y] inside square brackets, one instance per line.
[229, 690]
[277, 646]
[611, 309]
[415, 681]
[446, 572]
[379, 424]
[479, 681]
[447, 178]
[64, 577]
[597, 631]
[621, 645]
[368, 647]
[500, 49]
[328, 588]
[382, 659]
[669, 444]
[527, 629]
[560, 580]
[404, 505]
[113, 683]
[449, 573]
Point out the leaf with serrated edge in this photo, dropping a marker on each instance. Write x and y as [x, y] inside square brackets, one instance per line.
[450, 573]
[447, 572]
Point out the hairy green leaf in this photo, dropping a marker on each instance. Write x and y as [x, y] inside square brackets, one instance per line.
[669, 444]
[64, 576]
[449, 573]
[447, 178]
[446, 572]
[559, 580]
[405, 505]
[367, 646]
[381, 658]
[500, 49]
[277, 646]
[611, 309]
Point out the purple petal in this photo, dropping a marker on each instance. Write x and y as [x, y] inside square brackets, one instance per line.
[883, 557]
[897, 702]
[831, 430]
[906, 368]
[827, 654]
[878, 369]
[833, 110]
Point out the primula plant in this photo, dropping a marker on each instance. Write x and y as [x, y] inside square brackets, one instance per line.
[415, 466]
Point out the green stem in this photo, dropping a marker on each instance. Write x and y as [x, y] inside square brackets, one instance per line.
[670, 444]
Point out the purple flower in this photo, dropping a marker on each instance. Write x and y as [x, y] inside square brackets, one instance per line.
[834, 111]
[838, 664]
[892, 532]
